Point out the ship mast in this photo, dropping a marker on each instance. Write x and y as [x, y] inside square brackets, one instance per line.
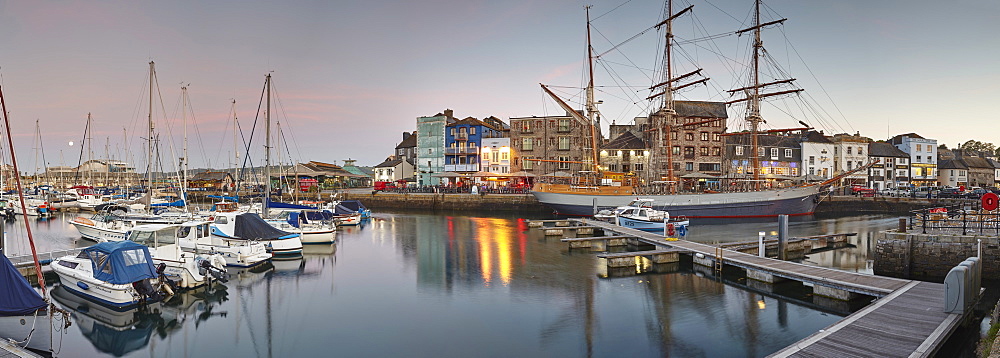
[754, 94]
[150, 147]
[593, 115]
[267, 148]
[184, 156]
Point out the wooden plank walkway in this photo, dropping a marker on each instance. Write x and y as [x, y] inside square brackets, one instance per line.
[907, 320]
[613, 255]
[9, 350]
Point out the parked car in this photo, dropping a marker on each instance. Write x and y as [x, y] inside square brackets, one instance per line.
[949, 193]
[975, 193]
[862, 191]
[384, 185]
[899, 192]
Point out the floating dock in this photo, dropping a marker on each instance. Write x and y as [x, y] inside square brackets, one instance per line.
[907, 319]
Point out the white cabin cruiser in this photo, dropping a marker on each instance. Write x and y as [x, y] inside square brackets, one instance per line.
[185, 270]
[196, 236]
[117, 274]
[313, 226]
[230, 223]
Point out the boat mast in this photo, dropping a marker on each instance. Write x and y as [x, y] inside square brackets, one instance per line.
[184, 159]
[593, 116]
[755, 117]
[236, 152]
[149, 152]
[20, 194]
[267, 148]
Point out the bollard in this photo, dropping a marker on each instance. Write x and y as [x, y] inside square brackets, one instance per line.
[783, 237]
[760, 245]
[902, 225]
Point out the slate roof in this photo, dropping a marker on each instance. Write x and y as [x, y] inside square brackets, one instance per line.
[627, 140]
[977, 162]
[951, 164]
[816, 137]
[898, 139]
[701, 109]
[210, 176]
[409, 142]
[389, 163]
[883, 149]
[764, 140]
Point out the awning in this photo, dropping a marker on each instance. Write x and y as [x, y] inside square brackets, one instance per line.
[446, 175]
[698, 175]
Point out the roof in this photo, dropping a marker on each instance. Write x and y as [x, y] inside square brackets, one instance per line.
[898, 139]
[409, 142]
[210, 176]
[951, 164]
[816, 137]
[701, 109]
[389, 163]
[489, 122]
[976, 162]
[883, 149]
[626, 141]
[764, 140]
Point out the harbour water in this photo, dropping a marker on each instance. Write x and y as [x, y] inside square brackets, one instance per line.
[458, 285]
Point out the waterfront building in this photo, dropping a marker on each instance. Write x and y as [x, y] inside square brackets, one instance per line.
[981, 171]
[325, 175]
[695, 148]
[923, 156]
[817, 155]
[779, 155]
[212, 181]
[495, 156]
[407, 148]
[363, 176]
[892, 167]
[431, 146]
[850, 152]
[104, 172]
[952, 173]
[562, 141]
[996, 171]
[626, 153]
[394, 169]
[463, 139]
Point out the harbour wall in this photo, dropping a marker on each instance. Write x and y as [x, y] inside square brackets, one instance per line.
[915, 255]
[527, 202]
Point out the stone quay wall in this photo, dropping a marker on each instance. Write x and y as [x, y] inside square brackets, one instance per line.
[430, 201]
[931, 256]
[882, 204]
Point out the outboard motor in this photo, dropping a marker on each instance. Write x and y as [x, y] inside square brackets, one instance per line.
[205, 267]
[146, 290]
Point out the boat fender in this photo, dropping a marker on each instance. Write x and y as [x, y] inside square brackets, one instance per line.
[83, 285]
[699, 255]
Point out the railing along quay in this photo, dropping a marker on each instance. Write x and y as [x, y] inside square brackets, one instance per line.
[907, 318]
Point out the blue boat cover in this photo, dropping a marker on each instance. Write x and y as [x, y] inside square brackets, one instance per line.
[250, 226]
[343, 210]
[307, 216]
[280, 205]
[230, 198]
[353, 205]
[17, 297]
[121, 262]
[177, 203]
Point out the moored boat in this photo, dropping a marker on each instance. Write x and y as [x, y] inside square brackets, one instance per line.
[116, 274]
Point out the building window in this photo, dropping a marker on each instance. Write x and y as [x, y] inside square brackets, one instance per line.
[849, 150]
[526, 127]
[812, 160]
[673, 135]
[472, 130]
[716, 137]
[861, 151]
[774, 153]
[689, 136]
[676, 150]
[689, 166]
[918, 147]
[564, 143]
[689, 152]
[527, 163]
[563, 162]
[788, 153]
[452, 131]
[613, 167]
[703, 151]
[716, 151]
[638, 167]
[760, 151]
[527, 143]
[918, 159]
[704, 136]
[564, 125]
[739, 150]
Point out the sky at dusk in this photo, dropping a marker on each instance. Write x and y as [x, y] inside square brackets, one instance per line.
[352, 76]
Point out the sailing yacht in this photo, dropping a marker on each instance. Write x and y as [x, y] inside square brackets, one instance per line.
[594, 190]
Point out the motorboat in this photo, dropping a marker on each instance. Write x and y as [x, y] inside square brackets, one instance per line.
[196, 236]
[230, 223]
[105, 225]
[313, 226]
[356, 206]
[184, 270]
[117, 274]
[640, 214]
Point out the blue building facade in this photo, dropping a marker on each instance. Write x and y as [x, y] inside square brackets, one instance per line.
[463, 142]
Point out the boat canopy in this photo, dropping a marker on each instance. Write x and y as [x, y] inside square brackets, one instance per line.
[343, 210]
[176, 203]
[280, 205]
[355, 205]
[307, 216]
[121, 262]
[230, 198]
[250, 226]
[17, 297]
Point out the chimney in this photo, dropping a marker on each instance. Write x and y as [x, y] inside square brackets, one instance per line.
[449, 113]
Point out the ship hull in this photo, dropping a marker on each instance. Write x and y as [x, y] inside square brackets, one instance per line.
[767, 203]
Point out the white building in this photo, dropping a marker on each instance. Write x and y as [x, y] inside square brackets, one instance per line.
[953, 173]
[891, 170]
[495, 155]
[817, 155]
[394, 169]
[923, 157]
[850, 152]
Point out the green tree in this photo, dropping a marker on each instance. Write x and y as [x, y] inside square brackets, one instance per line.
[979, 146]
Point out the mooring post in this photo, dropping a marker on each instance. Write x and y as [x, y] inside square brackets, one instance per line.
[594, 208]
[760, 245]
[902, 225]
[782, 237]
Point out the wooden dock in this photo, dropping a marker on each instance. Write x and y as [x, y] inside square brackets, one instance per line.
[9, 350]
[908, 319]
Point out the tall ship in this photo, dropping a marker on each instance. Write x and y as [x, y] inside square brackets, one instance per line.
[742, 193]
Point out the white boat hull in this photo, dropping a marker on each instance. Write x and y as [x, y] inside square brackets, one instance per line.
[19, 328]
[89, 230]
[112, 295]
